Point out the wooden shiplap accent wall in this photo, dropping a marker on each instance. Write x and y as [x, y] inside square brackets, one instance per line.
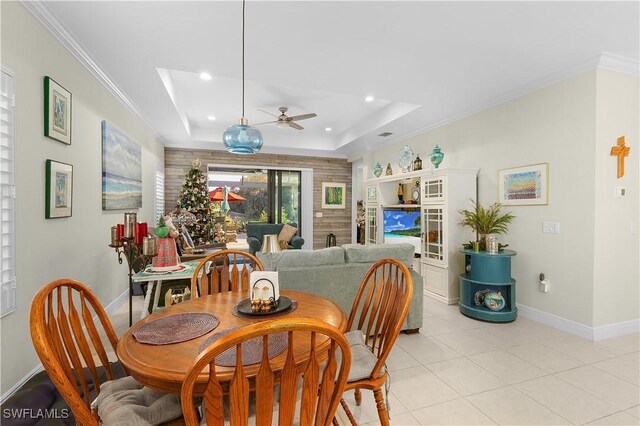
[177, 162]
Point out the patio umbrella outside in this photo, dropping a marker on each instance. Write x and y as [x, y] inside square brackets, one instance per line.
[218, 195]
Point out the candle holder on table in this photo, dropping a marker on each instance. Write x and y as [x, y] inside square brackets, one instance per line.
[130, 241]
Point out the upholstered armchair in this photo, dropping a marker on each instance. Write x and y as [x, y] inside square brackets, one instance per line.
[256, 232]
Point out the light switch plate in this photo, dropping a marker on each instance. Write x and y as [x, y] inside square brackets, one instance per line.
[318, 214]
[550, 227]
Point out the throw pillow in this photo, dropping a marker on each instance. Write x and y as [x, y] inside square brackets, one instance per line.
[287, 232]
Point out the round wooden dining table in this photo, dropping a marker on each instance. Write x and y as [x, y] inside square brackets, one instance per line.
[164, 367]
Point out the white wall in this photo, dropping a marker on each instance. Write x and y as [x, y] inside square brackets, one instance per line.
[557, 125]
[74, 247]
[616, 270]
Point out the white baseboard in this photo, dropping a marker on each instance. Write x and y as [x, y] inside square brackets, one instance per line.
[586, 332]
[13, 389]
[110, 308]
[113, 306]
[614, 330]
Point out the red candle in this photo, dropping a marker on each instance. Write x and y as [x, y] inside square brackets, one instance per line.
[144, 232]
[138, 234]
[120, 231]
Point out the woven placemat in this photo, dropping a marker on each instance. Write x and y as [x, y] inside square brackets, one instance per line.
[176, 328]
[236, 312]
[251, 349]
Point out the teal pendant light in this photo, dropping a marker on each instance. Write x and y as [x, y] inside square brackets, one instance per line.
[242, 138]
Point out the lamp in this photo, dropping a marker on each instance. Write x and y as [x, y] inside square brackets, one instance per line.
[242, 138]
[270, 244]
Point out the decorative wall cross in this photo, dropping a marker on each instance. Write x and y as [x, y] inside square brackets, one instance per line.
[621, 151]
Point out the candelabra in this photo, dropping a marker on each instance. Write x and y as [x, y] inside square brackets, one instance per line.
[136, 261]
[130, 241]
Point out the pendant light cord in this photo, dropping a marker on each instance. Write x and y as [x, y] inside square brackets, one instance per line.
[243, 5]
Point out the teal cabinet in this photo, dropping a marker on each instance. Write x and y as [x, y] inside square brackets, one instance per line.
[488, 276]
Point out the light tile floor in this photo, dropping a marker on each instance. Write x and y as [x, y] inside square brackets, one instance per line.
[459, 371]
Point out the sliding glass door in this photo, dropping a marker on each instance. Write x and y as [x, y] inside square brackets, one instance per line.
[285, 189]
[264, 195]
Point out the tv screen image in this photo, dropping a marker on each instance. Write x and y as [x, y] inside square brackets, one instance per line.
[402, 226]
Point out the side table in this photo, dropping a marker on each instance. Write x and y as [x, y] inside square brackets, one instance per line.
[488, 271]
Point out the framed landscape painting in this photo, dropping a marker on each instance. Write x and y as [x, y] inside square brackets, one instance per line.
[57, 111]
[333, 195]
[121, 170]
[58, 189]
[524, 186]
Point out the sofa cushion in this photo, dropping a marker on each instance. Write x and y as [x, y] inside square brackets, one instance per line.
[357, 253]
[301, 258]
[287, 232]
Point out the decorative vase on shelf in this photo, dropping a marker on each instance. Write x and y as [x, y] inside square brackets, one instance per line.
[436, 156]
[405, 160]
[377, 169]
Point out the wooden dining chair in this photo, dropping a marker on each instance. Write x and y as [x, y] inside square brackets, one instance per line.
[67, 339]
[224, 270]
[377, 314]
[310, 387]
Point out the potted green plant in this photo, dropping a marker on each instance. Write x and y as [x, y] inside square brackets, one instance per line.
[486, 221]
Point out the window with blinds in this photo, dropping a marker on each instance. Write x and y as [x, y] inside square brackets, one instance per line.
[159, 192]
[7, 192]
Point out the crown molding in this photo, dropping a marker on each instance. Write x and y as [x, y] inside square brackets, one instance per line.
[606, 61]
[611, 62]
[39, 11]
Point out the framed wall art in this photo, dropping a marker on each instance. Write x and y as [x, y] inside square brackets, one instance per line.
[58, 189]
[121, 170]
[524, 186]
[333, 195]
[57, 111]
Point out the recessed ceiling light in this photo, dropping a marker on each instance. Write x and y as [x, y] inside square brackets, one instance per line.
[328, 129]
[205, 76]
[211, 118]
[369, 99]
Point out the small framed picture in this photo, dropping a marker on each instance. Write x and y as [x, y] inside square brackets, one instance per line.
[372, 194]
[333, 195]
[58, 189]
[57, 111]
[524, 186]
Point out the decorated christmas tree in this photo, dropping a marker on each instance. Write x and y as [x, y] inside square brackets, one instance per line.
[194, 197]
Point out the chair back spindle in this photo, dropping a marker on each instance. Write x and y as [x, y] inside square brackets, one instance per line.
[309, 390]
[225, 270]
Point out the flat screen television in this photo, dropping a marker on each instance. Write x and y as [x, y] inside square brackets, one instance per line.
[402, 226]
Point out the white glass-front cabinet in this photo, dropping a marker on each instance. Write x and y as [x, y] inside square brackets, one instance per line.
[443, 194]
[371, 210]
[372, 224]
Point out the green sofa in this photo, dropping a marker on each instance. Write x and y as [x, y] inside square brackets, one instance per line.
[337, 272]
[257, 231]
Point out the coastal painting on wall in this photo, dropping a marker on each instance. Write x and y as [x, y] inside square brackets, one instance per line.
[58, 189]
[333, 195]
[523, 186]
[121, 170]
[57, 111]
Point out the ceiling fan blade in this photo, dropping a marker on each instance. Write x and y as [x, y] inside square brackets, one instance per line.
[302, 116]
[267, 112]
[264, 122]
[295, 125]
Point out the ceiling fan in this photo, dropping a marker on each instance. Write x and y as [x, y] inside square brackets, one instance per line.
[283, 120]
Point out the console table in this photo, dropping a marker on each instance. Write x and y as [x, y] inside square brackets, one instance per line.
[488, 271]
